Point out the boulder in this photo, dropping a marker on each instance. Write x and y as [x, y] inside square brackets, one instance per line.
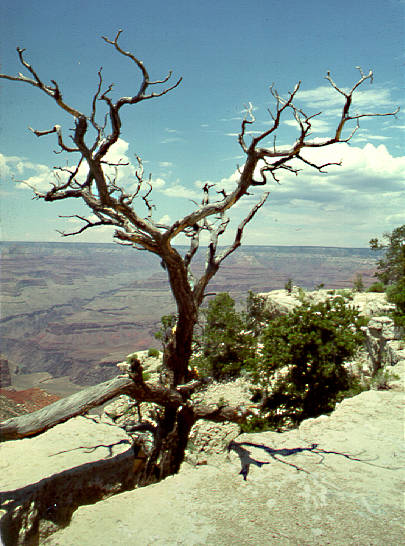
[380, 332]
[372, 304]
[394, 352]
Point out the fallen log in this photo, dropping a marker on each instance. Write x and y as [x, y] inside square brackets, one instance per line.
[80, 402]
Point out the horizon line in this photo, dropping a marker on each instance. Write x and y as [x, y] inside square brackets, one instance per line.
[179, 245]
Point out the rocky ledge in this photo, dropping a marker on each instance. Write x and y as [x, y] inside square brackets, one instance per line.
[336, 479]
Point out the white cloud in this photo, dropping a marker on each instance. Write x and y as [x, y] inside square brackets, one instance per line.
[171, 140]
[344, 207]
[324, 98]
[6, 164]
[40, 181]
[165, 219]
[118, 153]
[252, 132]
[17, 169]
[157, 183]
[317, 125]
[28, 174]
[234, 118]
[228, 183]
[178, 190]
[366, 138]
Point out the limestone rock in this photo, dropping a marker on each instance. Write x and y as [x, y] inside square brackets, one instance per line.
[208, 438]
[45, 478]
[379, 333]
[394, 352]
[301, 487]
[280, 302]
[372, 303]
[121, 407]
[78, 441]
[368, 303]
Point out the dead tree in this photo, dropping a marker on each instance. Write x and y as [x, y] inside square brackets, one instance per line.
[132, 214]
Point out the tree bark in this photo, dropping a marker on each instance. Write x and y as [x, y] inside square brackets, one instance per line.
[80, 402]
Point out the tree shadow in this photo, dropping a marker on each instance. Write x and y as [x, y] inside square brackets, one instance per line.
[314, 449]
[90, 449]
[48, 505]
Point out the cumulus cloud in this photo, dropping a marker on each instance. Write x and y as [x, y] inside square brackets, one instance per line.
[164, 219]
[157, 183]
[344, 207]
[41, 181]
[15, 168]
[41, 177]
[362, 197]
[8, 165]
[326, 99]
[179, 190]
[317, 125]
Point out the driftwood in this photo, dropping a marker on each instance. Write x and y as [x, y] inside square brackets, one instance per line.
[77, 404]
[81, 402]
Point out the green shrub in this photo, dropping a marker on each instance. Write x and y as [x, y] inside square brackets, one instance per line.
[154, 353]
[381, 380]
[396, 295]
[391, 270]
[288, 286]
[358, 284]
[300, 371]
[377, 286]
[225, 345]
[391, 267]
[257, 314]
[345, 293]
[167, 322]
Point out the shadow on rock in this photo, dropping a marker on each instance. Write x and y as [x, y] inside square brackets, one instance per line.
[246, 459]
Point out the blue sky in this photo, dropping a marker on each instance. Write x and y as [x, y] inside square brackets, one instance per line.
[228, 53]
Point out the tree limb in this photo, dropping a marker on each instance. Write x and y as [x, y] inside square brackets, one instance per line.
[81, 402]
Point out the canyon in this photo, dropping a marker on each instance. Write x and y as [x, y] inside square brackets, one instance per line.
[71, 311]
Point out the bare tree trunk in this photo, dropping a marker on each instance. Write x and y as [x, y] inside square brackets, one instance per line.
[80, 402]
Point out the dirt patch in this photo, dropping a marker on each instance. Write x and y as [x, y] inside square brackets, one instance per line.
[30, 400]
